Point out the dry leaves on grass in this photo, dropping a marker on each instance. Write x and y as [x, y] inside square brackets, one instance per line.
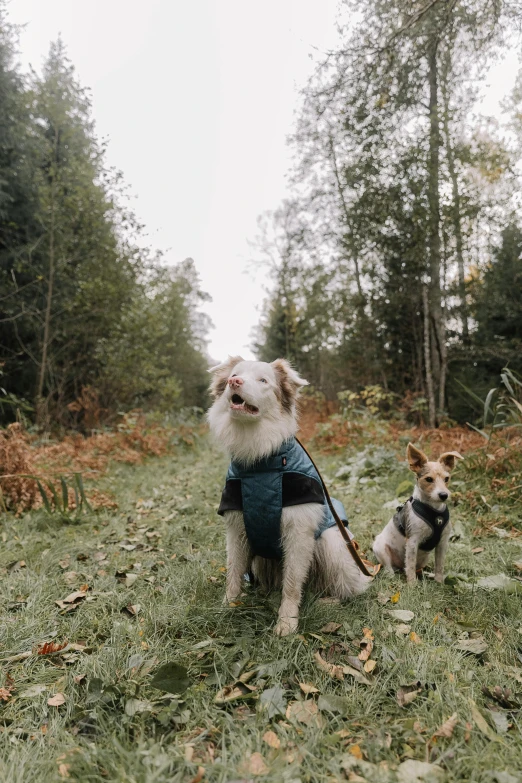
[57, 700]
[308, 688]
[271, 738]
[255, 765]
[366, 644]
[330, 628]
[306, 712]
[408, 693]
[481, 723]
[448, 727]
[337, 672]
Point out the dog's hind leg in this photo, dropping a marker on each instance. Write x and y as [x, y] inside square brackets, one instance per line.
[239, 555]
[298, 526]
[383, 553]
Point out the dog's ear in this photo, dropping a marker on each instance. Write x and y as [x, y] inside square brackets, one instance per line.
[416, 458]
[448, 459]
[220, 375]
[289, 383]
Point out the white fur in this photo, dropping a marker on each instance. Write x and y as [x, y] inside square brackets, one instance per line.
[248, 437]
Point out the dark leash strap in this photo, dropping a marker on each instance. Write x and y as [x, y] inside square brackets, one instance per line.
[351, 545]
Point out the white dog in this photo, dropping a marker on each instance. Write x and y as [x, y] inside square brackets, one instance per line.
[278, 524]
[422, 523]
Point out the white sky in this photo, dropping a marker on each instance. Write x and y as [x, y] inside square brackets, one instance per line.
[197, 98]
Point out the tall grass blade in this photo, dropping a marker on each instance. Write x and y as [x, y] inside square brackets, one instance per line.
[65, 493]
[79, 483]
[480, 432]
[487, 404]
[45, 499]
[56, 499]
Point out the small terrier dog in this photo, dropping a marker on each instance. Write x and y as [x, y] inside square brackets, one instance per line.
[422, 523]
[278, 524]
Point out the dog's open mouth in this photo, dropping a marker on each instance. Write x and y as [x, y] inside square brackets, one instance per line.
[238, 404]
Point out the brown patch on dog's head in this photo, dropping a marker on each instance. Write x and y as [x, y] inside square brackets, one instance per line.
[220, 375]
[416, 458]
[448, 459]
[288, 384]
[432, 477]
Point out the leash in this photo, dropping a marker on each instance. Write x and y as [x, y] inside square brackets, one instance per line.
[351, 545]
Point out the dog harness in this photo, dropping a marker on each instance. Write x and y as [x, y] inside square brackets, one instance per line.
[261, 490]
[437, 521]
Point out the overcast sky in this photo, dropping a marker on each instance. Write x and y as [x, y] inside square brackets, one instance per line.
[197, 98]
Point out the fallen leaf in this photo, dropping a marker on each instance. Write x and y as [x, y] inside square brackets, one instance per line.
[49, 647]
[411, 771]
[330, 628]
[131, 610]
[500, 720]
[236, 692]
[369, 666]
[306, 712]
[32, 691]
[355, 751]
[256, 765]
[518, 565]
[328, 600]
[334, 671]
[502, 696]
[366, 644]
[407, 693]
[135, 706]
[72, 598]
[395, 598]
[481, 723]
[383, 598]
[5, 694]
[171, 678]
[414, 638]
[401, 629]
[475, 646]
[200, 775]
[308, 688]
[57, 700]
[404, 615]
[477, 550]
[499, 582]
[357, 675]
[330, 702]
[130, 579]
[448, 727]
[272, 702]
[271, 738]
[63, 770]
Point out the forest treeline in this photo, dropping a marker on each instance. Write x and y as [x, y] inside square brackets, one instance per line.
[91, 321]
[397, 260]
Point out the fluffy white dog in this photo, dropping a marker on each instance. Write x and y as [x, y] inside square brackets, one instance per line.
[278, 525]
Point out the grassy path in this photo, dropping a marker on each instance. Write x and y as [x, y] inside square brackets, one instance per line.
[161, 554]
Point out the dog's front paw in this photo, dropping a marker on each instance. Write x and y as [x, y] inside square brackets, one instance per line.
[439, 578]
[286, 626]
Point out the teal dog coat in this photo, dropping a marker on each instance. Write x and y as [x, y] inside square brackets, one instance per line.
[261, 491]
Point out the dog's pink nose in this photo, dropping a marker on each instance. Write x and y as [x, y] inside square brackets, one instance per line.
[235, 381]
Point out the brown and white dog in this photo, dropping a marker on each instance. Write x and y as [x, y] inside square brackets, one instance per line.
[253, 414]
[414, 526]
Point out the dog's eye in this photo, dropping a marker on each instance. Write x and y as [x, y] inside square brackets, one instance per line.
[429, 479]
[446, 479]
[263, 380]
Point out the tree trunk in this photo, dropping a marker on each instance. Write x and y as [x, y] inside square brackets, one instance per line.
[40, 402]
[432, 410]
[344, 207]
[456, 219]
[435, 294]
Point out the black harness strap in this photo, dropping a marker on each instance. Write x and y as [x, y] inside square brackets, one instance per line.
[436, 520]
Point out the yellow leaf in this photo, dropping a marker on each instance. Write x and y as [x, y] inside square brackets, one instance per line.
[369, 666]
[356, 751]
[271, 738]
[395, 598]
[415, 638]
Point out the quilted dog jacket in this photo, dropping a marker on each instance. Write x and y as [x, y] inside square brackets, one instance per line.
[261, 491]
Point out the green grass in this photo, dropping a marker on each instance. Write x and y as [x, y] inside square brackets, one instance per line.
[95, 737]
